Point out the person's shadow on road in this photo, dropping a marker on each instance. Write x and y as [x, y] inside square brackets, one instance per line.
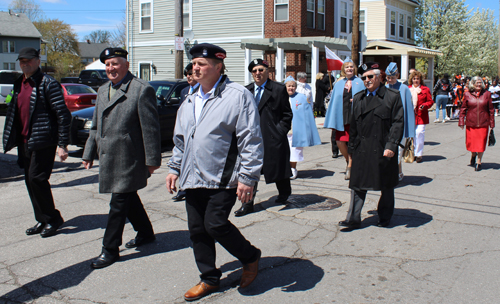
[75, 274]
[410, 218]
[288, 274]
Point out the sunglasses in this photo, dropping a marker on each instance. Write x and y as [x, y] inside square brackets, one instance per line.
[368, 76]
[257, 70]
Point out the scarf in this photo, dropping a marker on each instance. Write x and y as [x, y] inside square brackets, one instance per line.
[414, 95]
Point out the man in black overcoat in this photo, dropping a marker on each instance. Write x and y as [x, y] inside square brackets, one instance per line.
[275, 121]
[376, 130]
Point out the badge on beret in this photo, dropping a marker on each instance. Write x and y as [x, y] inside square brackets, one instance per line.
[106, 52]
[255, 61]
[265, 62]
[205, 52]
[220, 55]
[375, 66]
[364, 66]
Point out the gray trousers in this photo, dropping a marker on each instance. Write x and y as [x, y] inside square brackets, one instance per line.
[385, 207]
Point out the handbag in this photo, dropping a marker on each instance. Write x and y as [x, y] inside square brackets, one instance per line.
[409, 151]
[491, 139]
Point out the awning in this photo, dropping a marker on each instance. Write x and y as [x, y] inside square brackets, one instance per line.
[380, 47]
[295, 43]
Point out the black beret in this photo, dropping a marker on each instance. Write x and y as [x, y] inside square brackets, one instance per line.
[111, 53]
[256, 62]
[207, 50]
[28, 53]
[365, 67]
[188, 68]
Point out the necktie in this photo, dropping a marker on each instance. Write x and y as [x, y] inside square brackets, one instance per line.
[257, 97]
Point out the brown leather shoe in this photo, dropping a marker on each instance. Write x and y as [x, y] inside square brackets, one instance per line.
[199, 291]
[250, 272]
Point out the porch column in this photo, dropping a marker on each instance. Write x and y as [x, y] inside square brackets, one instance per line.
[248, 58]
[314, 68]
[280, 63]
[404, 67]
[430, 72]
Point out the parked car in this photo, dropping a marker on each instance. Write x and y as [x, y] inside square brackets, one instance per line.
[93, 78]
[7, 78]
[69, 80]
[78, 96]
[168, 97]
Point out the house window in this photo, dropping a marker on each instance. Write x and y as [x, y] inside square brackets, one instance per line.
[343, 17]
[393, 23]
[310, 13]
[186, 14]
[408, 29]
[280, 10]
[9, 65]
[321, 14]
[362, 22]
[145, 71]
[401, 26]
[146, 16]
[350, 18]
[8, 46]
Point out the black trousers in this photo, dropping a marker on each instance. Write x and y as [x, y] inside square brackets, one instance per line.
[208, 211]
[335, 148]
[37, 170]
[385, 207]
[284, 187]
[121, 207]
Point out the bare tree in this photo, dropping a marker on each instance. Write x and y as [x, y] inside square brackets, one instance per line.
[99, 36]
[120, 34]
[28, 7]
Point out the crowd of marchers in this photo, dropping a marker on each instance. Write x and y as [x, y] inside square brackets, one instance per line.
[226, 136]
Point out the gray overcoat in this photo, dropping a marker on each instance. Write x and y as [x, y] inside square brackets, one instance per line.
[125, 133]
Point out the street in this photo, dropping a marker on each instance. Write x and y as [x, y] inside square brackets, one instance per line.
[442, 245]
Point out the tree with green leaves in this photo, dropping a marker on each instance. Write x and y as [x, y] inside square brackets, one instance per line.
[28, 7]
[99, 36]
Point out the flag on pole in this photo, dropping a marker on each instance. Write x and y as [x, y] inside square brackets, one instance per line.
[333, 62]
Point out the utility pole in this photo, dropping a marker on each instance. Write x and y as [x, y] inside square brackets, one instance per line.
[179, 33]
[355, 32]
[498, 72]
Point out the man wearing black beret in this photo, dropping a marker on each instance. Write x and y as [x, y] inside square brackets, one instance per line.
[125, 133]
[376, 130]
[217, 159]
[273, 103]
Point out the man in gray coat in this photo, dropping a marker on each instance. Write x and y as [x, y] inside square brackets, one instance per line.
[125, 133]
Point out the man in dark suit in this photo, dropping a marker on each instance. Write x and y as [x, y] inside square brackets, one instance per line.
[275, 121]
[125, 133]
[193, 86]
[376, 129]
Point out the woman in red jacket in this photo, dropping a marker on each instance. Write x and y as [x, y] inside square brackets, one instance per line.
[477, 107]
[422, 101]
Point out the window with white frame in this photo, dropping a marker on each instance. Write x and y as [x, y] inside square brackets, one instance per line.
[343, 17]
[186, 14]
[401, 25]
[9, 65]
[362, 22]
[280, 10]
[321, 15]
[408, 29]
[8, 46]
[393, 23]
[310, 13]
[350, 17]
[146, 16]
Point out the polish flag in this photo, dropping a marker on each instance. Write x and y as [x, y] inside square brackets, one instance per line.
[333, 62]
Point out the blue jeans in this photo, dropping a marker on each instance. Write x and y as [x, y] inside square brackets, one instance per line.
[441, 101]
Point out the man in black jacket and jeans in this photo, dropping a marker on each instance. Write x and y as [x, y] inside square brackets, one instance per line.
[38, 122]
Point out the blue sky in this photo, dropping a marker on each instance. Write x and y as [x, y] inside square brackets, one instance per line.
[88, 15]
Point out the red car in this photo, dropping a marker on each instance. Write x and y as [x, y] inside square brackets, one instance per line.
[78, 96]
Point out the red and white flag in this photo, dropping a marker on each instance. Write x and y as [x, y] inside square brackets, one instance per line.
[333, 62]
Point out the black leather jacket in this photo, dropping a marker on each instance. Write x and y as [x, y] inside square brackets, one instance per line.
[49, 117]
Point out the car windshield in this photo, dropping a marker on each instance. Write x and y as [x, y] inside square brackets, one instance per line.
[80, 89]
[9, 77]
[162, 89]
[103, 74]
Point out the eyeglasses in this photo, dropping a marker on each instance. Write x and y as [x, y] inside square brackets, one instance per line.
[367, 76]
[257, 70]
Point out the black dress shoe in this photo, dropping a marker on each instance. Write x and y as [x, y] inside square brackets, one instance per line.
[181, 195]
[104, 260]
[473, 160]
[350, 225]
[478, 167]
[35, 229]
[335, 154]
[244, 210]
[383, 223]
[281, 200]
[51, 229]
[139, 240]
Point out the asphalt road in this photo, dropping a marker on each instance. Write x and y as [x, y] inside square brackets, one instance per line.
[442, 245]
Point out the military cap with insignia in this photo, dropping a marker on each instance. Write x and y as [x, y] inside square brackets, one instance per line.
[257, 62]
[111, 53]
[207, 50]
[188, 68]
[365, 67]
